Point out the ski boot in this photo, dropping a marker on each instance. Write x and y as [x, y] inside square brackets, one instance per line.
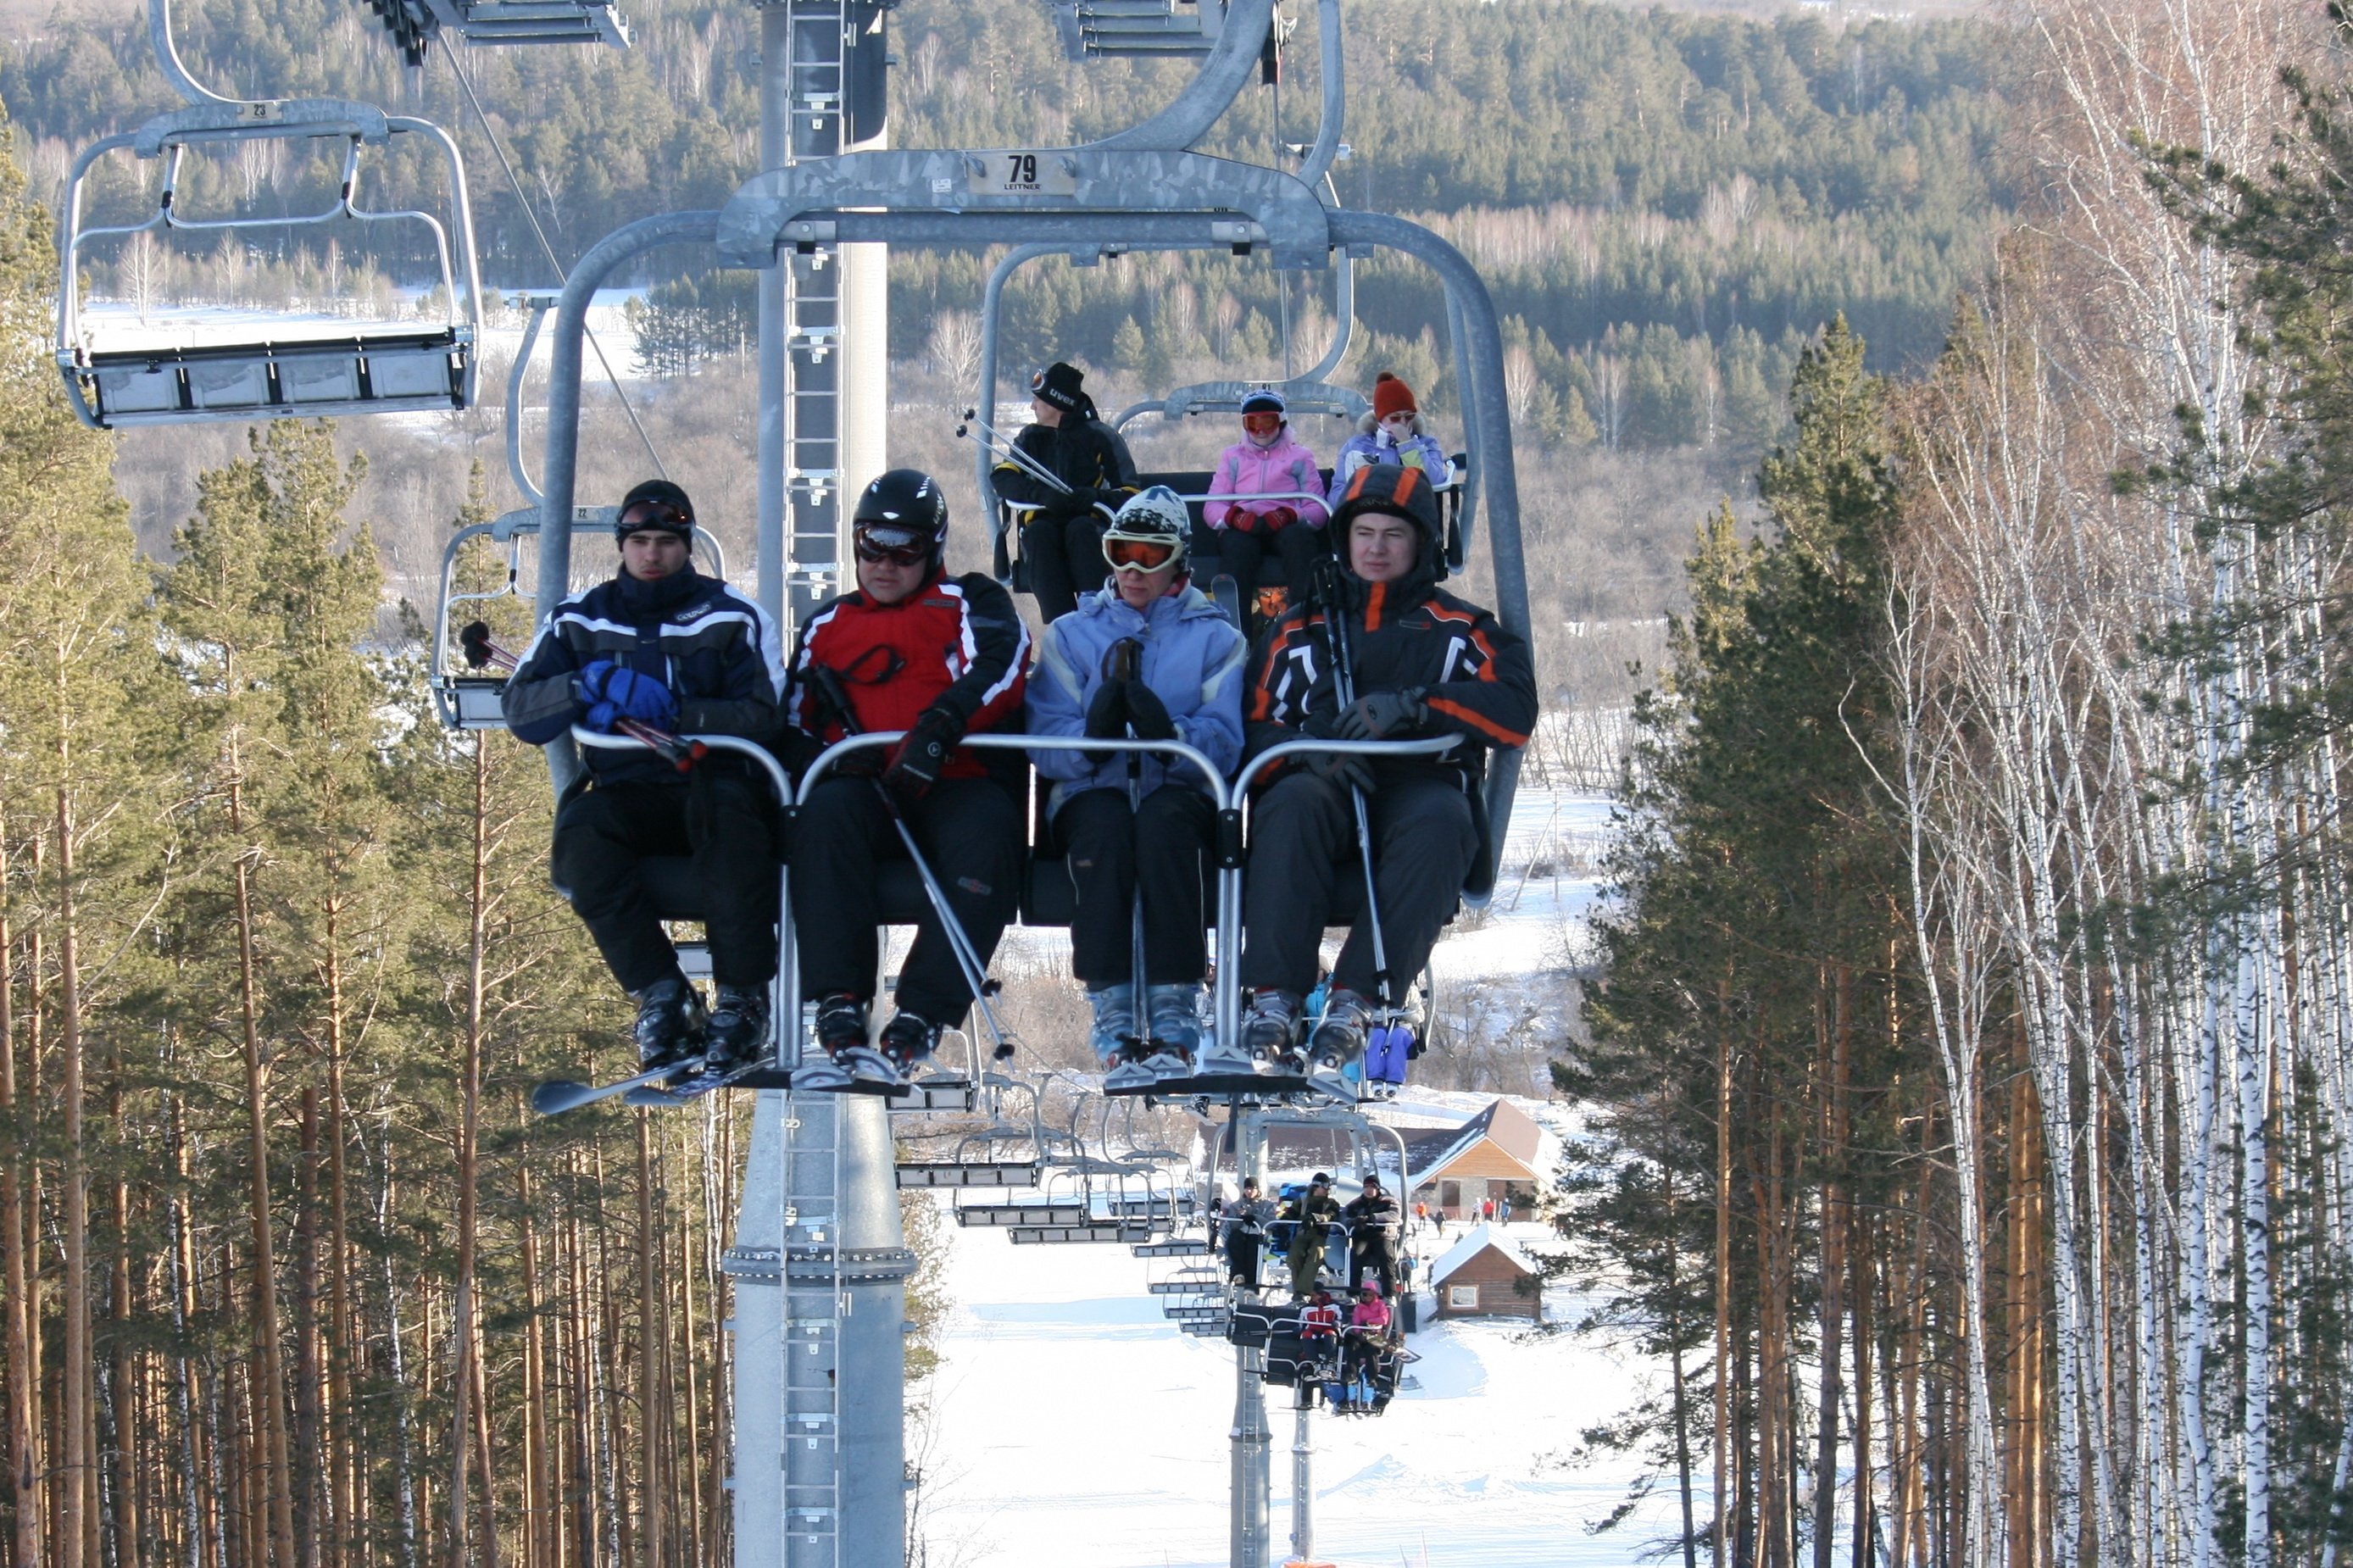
[840, 1029]
[737, 1034]
[1338, 1041]
[1176, 1015]
[1270, 1027]
[1114, 1021]
[907, 1039]
[669, 1026]
[1129, 1068]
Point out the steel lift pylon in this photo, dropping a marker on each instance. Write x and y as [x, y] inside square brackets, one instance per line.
[820, 1260]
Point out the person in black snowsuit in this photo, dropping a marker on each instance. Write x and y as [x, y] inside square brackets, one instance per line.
[1372, 1220]
[1062, 537]
[666, 646]
[1245, 1219]
[1425, 663]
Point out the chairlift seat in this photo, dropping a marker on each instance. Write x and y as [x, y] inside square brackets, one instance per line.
[969, 1174]
[1002, 1216]
[362, 372]
[1091, 29]
[1185, 1246]
[1098, 1231]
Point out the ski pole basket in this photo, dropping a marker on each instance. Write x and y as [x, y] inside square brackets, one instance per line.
[123, 368]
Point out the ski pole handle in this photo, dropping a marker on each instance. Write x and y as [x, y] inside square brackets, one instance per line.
[474, 640]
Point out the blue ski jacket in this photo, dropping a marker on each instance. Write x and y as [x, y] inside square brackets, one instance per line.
[1193, 660]
[711, 644]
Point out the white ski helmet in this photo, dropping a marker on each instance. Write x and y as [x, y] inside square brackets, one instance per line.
[1153, 516]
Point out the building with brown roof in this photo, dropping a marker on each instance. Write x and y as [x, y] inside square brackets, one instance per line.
[1486, 1275]
[1497, 1158]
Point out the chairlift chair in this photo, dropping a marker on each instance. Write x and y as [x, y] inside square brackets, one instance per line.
[287, 365]
[1093, 29]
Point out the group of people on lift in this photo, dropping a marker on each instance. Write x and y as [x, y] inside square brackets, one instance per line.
[1352, 1348]
[940, 657]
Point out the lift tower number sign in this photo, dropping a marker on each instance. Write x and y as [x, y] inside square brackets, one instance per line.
[1051, 171]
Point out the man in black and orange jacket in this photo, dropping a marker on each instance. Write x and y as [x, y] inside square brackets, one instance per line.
[1425, 663]
[910, 648]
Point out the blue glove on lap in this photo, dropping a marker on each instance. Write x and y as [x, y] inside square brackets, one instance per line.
[615, 692]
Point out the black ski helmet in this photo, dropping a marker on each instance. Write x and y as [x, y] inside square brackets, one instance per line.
[904, 507]
[656, 504]
[1399, 491]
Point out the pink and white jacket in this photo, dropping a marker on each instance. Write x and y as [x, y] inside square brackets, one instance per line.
[1285, 469]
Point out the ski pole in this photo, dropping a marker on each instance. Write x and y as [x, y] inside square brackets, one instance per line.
[475, 639]
[1011, 452]
[829, 692]
[1120, 664]
[1333, 598]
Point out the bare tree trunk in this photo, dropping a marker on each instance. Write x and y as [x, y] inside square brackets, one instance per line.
[1723, 1272]
[24, 1456]
[78, 1531]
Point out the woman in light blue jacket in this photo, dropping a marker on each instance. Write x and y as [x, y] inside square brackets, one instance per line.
[1146, 657]
[1391, 433]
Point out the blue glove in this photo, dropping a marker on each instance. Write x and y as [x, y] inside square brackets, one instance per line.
[642, 697]
[588, 686]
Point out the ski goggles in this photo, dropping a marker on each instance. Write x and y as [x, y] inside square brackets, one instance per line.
[895, 546]
[1262, 424]
[659, 514]
[1138, 554]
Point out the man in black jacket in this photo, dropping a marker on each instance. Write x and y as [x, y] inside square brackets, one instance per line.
[1062, 537]
[1372, 1220]
[1425, 663]
[666, 646]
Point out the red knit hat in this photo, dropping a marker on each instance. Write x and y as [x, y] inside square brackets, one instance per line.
[1391, 395]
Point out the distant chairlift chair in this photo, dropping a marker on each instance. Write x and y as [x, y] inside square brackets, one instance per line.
[292, 366]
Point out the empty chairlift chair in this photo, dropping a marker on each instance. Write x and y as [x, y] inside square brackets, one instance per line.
[125, 369]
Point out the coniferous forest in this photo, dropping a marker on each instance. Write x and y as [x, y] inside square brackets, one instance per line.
[1967, 1049]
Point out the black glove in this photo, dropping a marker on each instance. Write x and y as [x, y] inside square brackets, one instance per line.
[1146, 714]
[1321, 726]
[1340, 768]
[923, 754]
[1107, 717]
[1377, 715]
[1079, 501]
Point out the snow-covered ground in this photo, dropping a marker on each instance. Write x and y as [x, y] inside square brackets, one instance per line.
[1074, 1425]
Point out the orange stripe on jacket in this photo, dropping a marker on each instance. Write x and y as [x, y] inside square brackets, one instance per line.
[1478, 721]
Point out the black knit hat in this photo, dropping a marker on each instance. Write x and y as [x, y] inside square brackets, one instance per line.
[1061, 385]
[655, 504]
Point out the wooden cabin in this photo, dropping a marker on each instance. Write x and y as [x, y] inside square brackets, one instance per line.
[1486, 1275]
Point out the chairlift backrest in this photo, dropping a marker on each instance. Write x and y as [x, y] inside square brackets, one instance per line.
[279, 365]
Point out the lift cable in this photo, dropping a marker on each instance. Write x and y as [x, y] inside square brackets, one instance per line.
[532, 218]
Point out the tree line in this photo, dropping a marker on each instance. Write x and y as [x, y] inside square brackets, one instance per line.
[288, 1273]
[1971, 1041]
[1681, 200]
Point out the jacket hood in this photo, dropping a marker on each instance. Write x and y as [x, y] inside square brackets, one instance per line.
[1369, 423]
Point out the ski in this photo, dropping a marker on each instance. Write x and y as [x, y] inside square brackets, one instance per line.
[686, 1090]
[558, 1095]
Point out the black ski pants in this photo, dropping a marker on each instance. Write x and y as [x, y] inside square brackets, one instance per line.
[970, 833]
[1303, 840]
[1299, 546]
[1065, 555]
[722, 822]
[1110, 852]
[1371, 1253]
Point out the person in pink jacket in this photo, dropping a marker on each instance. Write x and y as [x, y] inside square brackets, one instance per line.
[1277, 496]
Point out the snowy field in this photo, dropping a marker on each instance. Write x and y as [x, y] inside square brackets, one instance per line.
[1074, 1425]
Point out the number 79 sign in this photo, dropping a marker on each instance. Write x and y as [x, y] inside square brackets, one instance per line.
[1024, 172]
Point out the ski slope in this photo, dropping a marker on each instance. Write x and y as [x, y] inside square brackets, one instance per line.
[1073, 1424]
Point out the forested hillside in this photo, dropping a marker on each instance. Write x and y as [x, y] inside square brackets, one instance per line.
[1665, 203]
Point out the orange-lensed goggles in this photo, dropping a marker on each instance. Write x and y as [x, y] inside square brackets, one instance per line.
[1262, 424]
[1137, 554]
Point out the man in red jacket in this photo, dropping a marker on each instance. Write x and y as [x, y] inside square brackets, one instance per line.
[938, 657]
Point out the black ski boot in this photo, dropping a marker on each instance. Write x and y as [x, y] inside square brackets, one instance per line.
[841, 1022]
[669, 1026]
[907, 1039]
[737, 1034]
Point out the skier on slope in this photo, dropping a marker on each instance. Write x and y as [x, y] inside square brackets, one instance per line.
[665, 645]
[912, 648]
[1061, 538]
[1146, 657]
[1424, 663]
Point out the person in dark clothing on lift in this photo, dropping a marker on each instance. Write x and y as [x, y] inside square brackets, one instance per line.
[1372, 1219]
[1245, 1217]
[910, 648]
[1062, 537]
[1425, 663]
[669, 648]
